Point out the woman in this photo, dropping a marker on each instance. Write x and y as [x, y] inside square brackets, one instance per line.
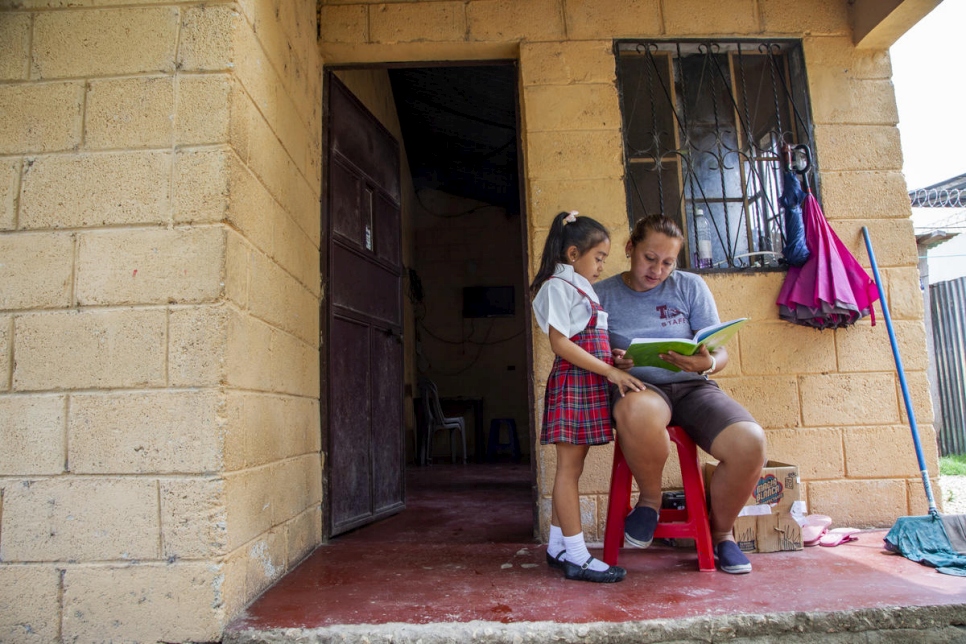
[653, 300]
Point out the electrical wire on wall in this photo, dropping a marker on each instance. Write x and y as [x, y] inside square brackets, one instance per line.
[455, 215]
[468, 339]
[462, 342]
[424, 365]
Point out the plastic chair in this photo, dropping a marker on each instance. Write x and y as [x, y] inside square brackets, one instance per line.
[690, 523]
[495, 445]
[436, 421]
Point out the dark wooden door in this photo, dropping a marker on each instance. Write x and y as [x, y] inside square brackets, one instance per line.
[365, 455]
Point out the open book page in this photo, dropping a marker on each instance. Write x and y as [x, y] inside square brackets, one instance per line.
[646, 351]
[719, 334]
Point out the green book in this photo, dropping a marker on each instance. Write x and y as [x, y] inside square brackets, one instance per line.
[644, 351]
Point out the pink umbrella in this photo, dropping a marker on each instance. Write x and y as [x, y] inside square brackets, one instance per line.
[831, 289]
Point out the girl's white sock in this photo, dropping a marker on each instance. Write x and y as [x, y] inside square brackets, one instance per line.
[577, 552]
[556, 541]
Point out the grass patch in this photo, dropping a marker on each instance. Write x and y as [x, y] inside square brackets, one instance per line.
[953, 465]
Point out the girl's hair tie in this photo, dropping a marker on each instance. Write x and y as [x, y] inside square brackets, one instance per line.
[571, 218]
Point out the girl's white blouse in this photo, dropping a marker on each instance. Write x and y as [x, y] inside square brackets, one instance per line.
[560, 306]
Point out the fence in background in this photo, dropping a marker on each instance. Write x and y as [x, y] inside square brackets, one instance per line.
[948, 303]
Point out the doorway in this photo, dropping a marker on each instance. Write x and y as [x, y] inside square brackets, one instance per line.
[470, 302]
[464, 260]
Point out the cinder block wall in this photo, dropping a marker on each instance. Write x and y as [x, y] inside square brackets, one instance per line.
[159, 186]
[830, 401]
[272, 467]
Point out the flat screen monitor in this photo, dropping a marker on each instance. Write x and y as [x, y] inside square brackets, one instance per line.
[488, 302]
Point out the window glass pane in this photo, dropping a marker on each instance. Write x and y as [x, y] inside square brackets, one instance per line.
[653, 189]
[713, 139]
[648, 124]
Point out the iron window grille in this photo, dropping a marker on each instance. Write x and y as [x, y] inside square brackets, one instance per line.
[704, 124]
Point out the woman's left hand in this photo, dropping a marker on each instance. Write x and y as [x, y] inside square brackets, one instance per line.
[700, 361]
[620, 361]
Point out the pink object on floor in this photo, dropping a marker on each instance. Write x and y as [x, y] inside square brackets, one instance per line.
[838, 536]
[814, 528]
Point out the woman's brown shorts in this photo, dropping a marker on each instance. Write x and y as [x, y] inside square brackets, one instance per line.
[699, 406]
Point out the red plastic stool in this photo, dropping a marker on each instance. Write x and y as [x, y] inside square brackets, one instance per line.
[689, 523]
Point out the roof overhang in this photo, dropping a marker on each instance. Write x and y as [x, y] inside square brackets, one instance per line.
[931, 239]
[878, 24]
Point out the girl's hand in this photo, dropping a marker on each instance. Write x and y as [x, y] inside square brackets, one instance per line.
[620, 361]
[696, 363]
[624, 381]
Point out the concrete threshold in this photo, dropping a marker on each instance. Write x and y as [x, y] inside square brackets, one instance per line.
[923, 624]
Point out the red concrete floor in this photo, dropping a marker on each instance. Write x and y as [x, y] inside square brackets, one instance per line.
[463, 551]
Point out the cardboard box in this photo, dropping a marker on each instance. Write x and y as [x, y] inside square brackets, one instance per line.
[766, 523]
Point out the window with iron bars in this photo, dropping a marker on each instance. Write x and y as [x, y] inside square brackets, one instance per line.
[707, 128]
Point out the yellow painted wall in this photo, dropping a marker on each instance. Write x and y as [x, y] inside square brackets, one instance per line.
[159, 290]
[160, 181]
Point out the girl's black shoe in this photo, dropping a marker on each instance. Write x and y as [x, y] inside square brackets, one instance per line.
[584, 573]
[558, 561]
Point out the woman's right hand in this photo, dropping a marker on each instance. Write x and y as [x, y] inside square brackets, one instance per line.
[624, 381]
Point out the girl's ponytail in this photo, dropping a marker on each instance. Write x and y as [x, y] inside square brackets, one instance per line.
[566, 230]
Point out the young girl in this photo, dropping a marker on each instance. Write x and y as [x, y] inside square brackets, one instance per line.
[576, 411]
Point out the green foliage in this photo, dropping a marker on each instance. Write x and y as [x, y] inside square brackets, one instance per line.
[953, 465]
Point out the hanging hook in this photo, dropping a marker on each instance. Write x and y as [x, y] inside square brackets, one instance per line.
[787, 155]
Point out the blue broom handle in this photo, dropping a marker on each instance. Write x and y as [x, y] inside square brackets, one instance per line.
[902, 375]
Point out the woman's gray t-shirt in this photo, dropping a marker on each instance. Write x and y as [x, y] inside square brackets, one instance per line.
[679, 306]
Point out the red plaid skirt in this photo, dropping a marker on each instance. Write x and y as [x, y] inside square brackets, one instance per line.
[576, 405]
